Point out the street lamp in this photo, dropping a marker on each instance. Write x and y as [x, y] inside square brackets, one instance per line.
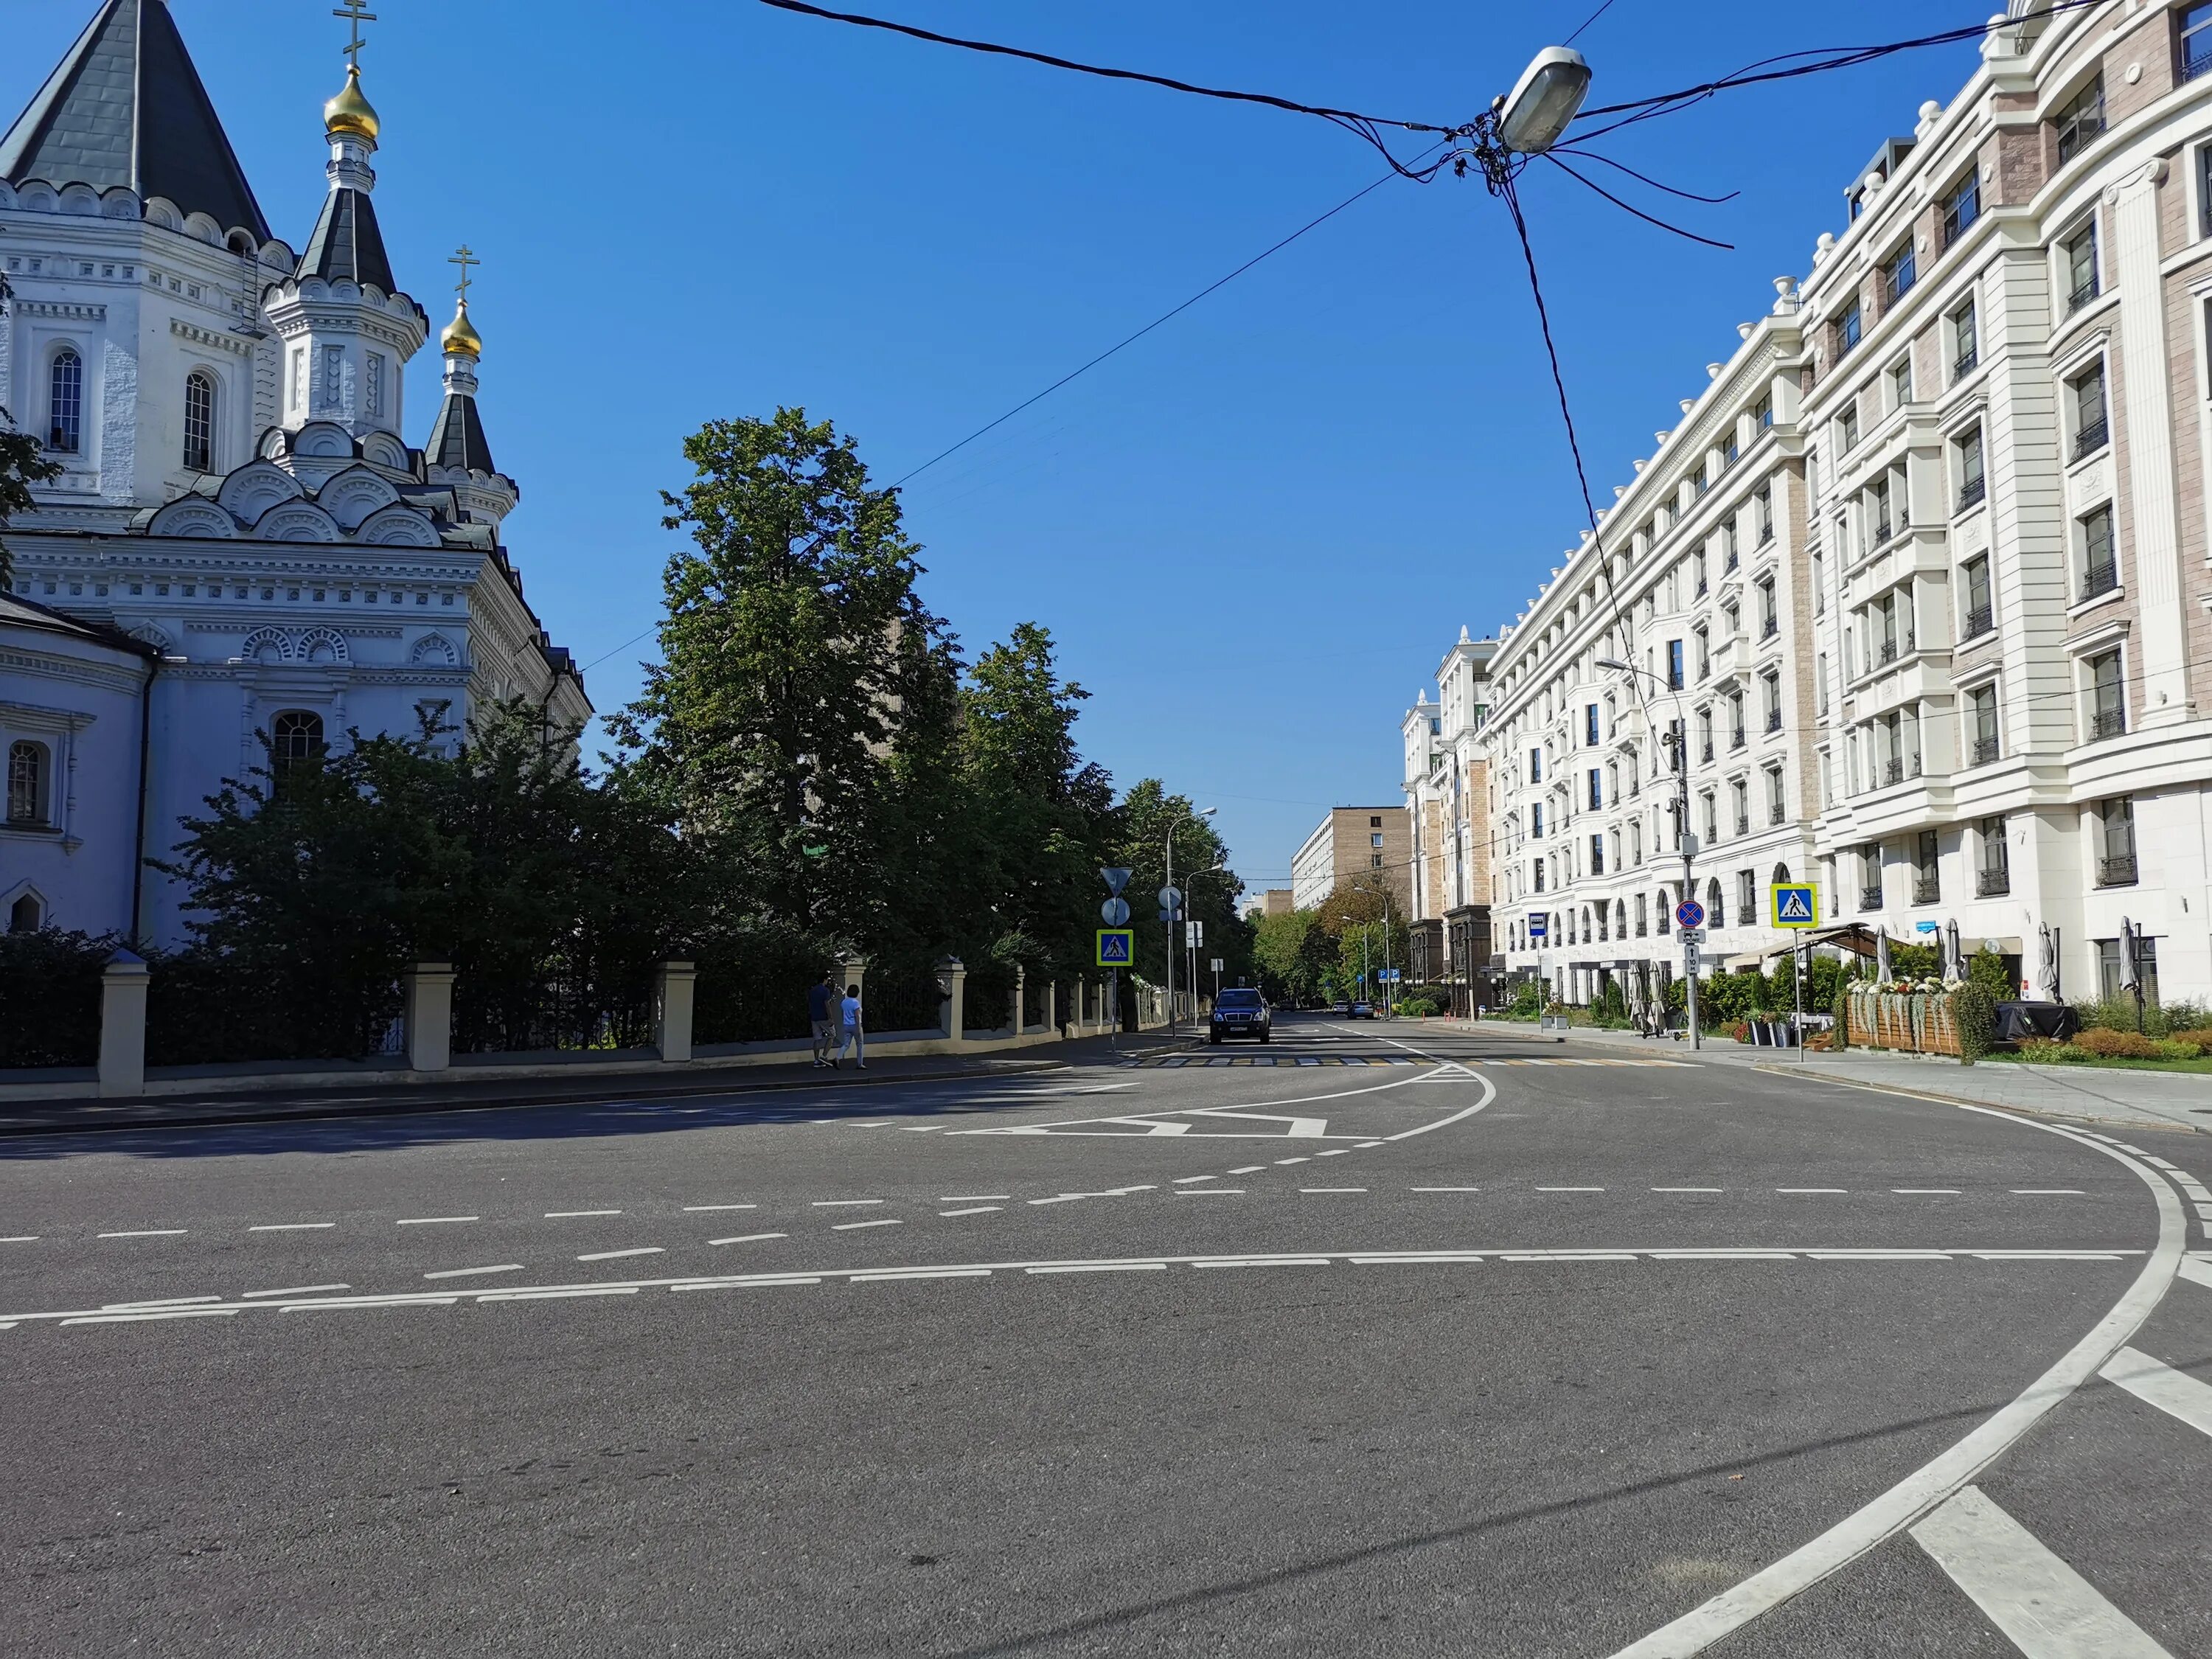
[1190, 950]
[1199, 818]
[1680, 745]
[1548, 95]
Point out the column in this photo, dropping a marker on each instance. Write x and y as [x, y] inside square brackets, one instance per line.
[952, 987]
[429, 988]
[2145, 378]
[123, 985]
[672, 1003]
[1021, 991]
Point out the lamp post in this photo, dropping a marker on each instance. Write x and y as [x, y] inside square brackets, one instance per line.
[1190, 950]
[1689, 842]
[1169, 882]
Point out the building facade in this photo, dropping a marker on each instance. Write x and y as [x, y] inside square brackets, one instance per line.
[1916, 599]
[1448, 827]
[1370, 843]
[237, 490]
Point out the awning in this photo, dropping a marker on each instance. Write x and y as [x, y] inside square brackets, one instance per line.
[1751, 959]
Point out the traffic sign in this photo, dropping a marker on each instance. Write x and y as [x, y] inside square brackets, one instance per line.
[1690, 914]
[1117, 879]
[1116, 947]
[1194, 934]
[1796, 904]
[1693, 936]
[1217, 964]
[1170, 897]
[1114, 913]
[1690, 961]
[1170, 915]
[1540, 925]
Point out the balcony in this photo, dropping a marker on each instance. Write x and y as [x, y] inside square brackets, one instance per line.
[1926, 889]
[2195, 57]
[1743, 823]
[1966, 362]
[2082, 293]
[1769, 629]
[1773, 719]
[1978, 623]
[1893, 771]
[1705, 756]
[1736, 739]
[1881, 533]
[2117, 871]
[2092, 437]
[1986, 751]
[1992, 883]
[2108, 723]
[1971, 492]
[1886, 653]
[1733, 560]
[1701, 592]
[1869, 899]
[1774, 815]
[2099, 580]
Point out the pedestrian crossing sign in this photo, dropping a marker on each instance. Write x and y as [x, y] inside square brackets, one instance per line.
[1796, 903]
[1116, 947]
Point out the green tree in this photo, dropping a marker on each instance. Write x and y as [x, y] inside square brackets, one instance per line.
[1364, 916]
[1138, 841]
[23, 463]
[798, 664]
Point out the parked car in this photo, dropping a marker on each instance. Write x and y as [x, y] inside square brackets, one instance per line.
[1361, 1011]
[1241, 1014]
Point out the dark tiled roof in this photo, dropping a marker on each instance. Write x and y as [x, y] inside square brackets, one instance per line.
[346, 246]
[26, 613]
[457, 437]
[126, 107]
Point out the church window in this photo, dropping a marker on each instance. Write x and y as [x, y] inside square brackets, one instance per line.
[65, 403]
[23, 915]
[200, 420]
[27, 782]
[295, 741]
[373, 392]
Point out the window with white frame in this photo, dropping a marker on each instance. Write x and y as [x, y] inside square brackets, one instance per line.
[30, 785]
[1962, 206]
[2085, 397]
[1965, 340]
[1966, 467]
[65, 403]
[2115, 821]
[2077, 257]
[1900, 382]
[2192, 41]
[199, 421]
[1981, 733]
[1974, 589]
[2100, 570]
[2108, 701]
[2080, 119]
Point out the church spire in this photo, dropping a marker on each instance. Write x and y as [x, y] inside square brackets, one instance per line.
[458, 453]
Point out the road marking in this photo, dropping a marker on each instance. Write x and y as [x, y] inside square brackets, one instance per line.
[1333, 1152]
[1803, 1190]
[1211, 1192]
[1947, 1474]
[689, 1209]
[1878, 1255]
[1099, 1267]
[2046, 1192]
[1059, 1197]
[150, 1233]
[890, 1273]
[980, 1209]
[2047, 1609]
[301, 1289]
[2198, 1272]
[1181, 1180]
[552, 1296]
[1366, 1145]
[465, 1273]
[1250, 1169]
[1264, 1261]
[1569, 1189]
[611, 1255]
[1332, 1189]
[563, 1215]
[19, 1238]
[291, 1226]
[975, 1198]
[844, 1203]
[853, 1226]
[1687, 1189]
[1723, 1256]
[434, 1220]
[748, 1238]
[1280, 1161]
[1568, 1255]
[2174, 1392]
[143, 1318]
[1927, 1192]
[164, 1301]
[1443, 1189]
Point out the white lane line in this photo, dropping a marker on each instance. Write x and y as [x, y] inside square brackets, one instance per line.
[761, 1283]
[300, 1289]
[1250, 1169]
[1878, 1255]
[2047, 1609]
[694, 1209]
[467, 1273]
[844, 1203]
[1687, 1189]
[1332, 1189]
[2047, 1192]
[1568, 1255]
[1182, 1180]
[1366, 1145]
[890, 1273]
[433, 1220]
[1263, 1261]
[1942, 1476]
[612, 1255]
[163, 1302]
[143, 1318]
[748, 1238]
[978, 1209]
[149, 1232]
[1803, 1190]
[1443, 1189]
[1333, 1152]
[1569, 1189]
[563, 1215]
[1211, 1192]
[852, 1226]
[291, 1226]
[2174, 1392]
[1723, 1256]
[1280, 1161]
[975, 1198]
[1927, 1192]
[342, 1304]
[19, 1238]
[2050, 1256]
[1059, 1197]
[553, 1296]
[1099, 1267]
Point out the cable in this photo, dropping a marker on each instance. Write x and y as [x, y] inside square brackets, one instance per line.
[1687, 235]
[1587, 21]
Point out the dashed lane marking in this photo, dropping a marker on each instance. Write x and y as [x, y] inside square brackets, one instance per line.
[433, 1220]
[302, 1290]
[844, 1203]
[855, 1226]
[149, 1232]
[471, 1272]
[612, 1255]
[690, 1209]
[980, 1209]
[564, 1215]
[291, 1226]
[748, 1238]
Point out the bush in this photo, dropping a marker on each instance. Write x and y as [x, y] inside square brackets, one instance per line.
[50, 993]
[2119, 1014]
[1976, 1012]
[1843, 1011]
[2199, 1039]
[1740, 1030]
[1418, 1008]
[2117, 1045]
[1986, 970]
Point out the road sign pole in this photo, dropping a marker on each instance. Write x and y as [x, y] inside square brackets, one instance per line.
[1797, 966]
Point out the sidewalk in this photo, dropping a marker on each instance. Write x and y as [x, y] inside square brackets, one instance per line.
[456, 1092]
[2107, 1097]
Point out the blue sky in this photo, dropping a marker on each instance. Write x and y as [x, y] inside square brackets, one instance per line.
[1255, 532]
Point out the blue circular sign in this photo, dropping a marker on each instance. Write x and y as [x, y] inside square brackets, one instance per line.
[1690, 914]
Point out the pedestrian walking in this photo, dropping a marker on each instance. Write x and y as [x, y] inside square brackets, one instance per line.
[854, 1030]
[822, 1015]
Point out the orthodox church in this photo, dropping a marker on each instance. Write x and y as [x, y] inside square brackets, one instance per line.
[241, 544]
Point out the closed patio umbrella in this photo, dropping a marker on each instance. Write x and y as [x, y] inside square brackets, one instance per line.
[1881, 955]
[2047, 965]
[2131, 966]
[1955, 959]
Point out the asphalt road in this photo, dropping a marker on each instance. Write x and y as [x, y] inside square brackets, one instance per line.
[1386, 1343]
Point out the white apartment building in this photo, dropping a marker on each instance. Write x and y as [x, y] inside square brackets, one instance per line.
[2005, 357]
[1448, 819]
[1922, 578]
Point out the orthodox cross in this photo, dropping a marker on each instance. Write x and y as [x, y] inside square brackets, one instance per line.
[356, 12]
[463, 258]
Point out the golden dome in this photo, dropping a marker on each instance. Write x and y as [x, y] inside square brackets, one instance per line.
[350, 112]
[460, 337]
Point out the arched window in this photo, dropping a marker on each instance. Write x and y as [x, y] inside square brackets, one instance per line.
[1662, 908]
[1716, 906]
[27, 782]
[199, 421]
[1620, 918]
[1781, 874]
[24, 915]
[295, 742]
[65, 403]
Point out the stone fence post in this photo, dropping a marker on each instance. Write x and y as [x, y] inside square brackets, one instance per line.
[1021, 995]
[1052, 1006]
[853, 971]
[953, 986]
[672, 1002]
[428, 987]
[123, 985]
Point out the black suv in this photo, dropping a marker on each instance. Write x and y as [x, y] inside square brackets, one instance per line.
[1240, 1013]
